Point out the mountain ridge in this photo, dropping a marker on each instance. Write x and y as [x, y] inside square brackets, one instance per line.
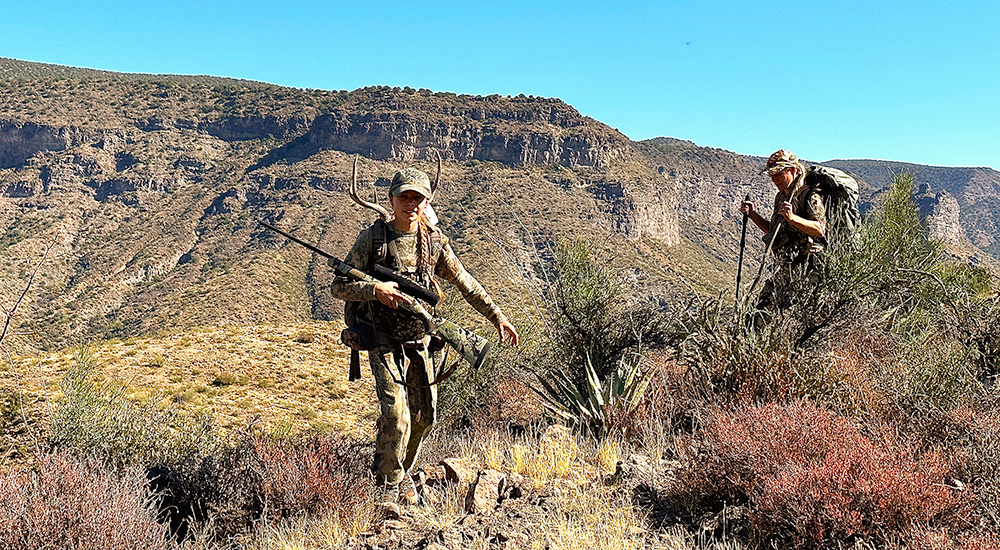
[153, 186]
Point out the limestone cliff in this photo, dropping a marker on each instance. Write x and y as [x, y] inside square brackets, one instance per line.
[940, 212]
[407, 136]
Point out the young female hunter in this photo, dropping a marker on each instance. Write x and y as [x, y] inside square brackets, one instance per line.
[420, 251]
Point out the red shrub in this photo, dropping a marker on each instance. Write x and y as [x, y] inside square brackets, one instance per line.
[70, 505]
[980, 541]
[811, 477]
[324, 472]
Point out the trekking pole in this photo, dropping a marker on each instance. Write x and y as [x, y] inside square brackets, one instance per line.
[743, 245]
[763, 258]
[770, 244]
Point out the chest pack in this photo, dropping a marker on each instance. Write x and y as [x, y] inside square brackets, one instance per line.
[839, 192]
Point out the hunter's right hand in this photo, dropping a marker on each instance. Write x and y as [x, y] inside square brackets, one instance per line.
[388, 293]
[746, 207]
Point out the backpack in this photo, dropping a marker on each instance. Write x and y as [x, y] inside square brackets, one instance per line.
[840, 199]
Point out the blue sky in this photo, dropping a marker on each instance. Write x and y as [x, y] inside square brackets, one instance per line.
[909, 81]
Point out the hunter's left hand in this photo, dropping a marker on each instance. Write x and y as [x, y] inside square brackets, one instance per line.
[786, 210]
[508, 334]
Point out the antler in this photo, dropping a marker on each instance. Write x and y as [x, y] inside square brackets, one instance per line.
[437, 178]
[354, 194]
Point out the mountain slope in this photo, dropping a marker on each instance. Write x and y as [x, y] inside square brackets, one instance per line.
[151, 186]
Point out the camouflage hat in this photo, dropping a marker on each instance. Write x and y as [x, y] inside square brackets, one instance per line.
[410, 179]
[779, 161]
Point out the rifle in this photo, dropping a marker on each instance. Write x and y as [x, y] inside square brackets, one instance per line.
[472, 347]
[382, 273]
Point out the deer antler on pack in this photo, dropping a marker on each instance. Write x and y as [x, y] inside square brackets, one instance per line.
[437, 178]
[354, 194]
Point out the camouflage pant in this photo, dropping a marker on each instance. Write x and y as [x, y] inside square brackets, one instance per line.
[407, 413]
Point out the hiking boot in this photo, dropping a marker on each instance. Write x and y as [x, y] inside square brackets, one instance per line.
[385, 502]
[408, 494]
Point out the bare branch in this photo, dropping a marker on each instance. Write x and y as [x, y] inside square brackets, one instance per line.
[437, 178]
[13, 310]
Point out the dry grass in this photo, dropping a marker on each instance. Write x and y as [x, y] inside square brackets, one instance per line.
[234, 373]
[592, 518]
[555, 457]
[306, 533]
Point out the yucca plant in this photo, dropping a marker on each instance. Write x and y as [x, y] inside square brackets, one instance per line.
[595, 405]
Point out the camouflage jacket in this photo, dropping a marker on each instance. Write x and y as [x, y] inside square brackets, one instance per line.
[792, 245]
[402, 255]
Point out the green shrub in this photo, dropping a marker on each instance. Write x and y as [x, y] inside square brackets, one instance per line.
[601, 403]
[595, 311]
[94, 419]
[592, 346]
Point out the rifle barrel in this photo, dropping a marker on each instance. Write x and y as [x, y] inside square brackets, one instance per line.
[385, 274]
[296, 240]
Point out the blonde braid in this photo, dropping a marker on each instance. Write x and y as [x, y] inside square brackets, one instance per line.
[424, 252]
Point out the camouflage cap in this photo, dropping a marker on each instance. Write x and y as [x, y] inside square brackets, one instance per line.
[779, 161]
[410, 179]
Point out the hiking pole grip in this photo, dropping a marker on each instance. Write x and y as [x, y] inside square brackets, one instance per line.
[743, 245]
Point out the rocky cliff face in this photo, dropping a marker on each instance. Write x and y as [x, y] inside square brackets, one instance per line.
[941, 213]
[710, 183]
[20, 140]
[407, 126]
[395, 135]
[242, 128]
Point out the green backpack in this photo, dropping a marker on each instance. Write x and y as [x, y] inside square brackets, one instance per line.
[840, 198]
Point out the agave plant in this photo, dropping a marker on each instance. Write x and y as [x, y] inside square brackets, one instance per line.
[593, 405]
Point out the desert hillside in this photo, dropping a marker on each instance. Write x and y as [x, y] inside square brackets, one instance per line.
[151, 186]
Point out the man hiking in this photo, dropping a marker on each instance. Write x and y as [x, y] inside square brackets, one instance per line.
[796, 231]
